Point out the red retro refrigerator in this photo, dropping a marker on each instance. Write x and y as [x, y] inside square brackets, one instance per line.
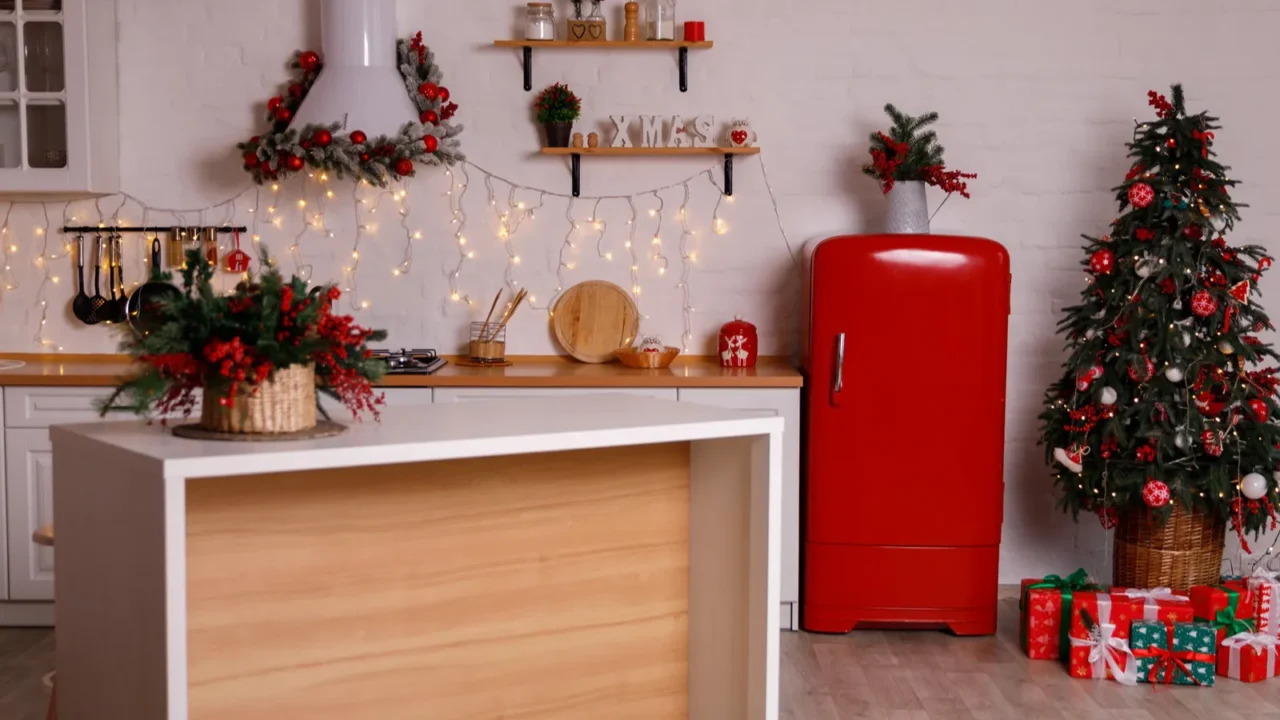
[904, 413]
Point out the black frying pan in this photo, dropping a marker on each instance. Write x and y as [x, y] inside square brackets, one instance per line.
[144, 305]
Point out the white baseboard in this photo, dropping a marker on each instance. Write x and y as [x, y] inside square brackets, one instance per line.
[787, 616]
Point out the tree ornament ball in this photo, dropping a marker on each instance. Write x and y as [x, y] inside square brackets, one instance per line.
[295, 91]
[404, 166]
[322, 137]
[1259, 409]
[274, 104]
[1225, 348]
[444, 94]
[1141, 195]
[358, 137]
[284, 114]
[1182, 440]
[293, 162]
[1174, 375]
[1156, 493]
[364, 157]
[431, 143]
[1141, 369]
[1203, 304]
[1212, 445]
[429, 117]
[251, 160]
[1108, 396]
[309, 61]
[429, 90]
[1102, 262]
[1186, 339]
[1253, 486]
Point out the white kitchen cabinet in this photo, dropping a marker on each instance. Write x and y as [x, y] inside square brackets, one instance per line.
[459, 394]
[784, 403]
[40, 407]
[29, 503]
[4, 522]
[59, 117]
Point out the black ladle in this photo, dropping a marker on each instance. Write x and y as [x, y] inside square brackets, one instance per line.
[110, 309]
[97, 302]
[82, 306]
[122, 298]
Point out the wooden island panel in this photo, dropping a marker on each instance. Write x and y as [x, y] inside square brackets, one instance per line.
[545, 587]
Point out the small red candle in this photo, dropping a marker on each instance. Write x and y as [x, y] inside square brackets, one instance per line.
[695, 31]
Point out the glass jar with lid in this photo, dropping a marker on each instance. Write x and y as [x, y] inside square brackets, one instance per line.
[660, 19]
[541, 22]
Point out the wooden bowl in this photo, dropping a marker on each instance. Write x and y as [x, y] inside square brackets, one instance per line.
[633, 358]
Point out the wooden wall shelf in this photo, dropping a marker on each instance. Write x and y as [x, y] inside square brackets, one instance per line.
[575, 155]
[681, 46]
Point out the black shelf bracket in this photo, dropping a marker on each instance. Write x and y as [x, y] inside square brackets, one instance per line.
[528, 69]
[728, 175]
[113, 229]
[684, 69]
[576, 163]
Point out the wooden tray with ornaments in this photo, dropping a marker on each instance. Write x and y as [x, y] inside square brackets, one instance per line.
[651, 354]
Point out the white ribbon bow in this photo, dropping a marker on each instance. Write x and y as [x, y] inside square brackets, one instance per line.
[1261, 573]
[1260, 642]
[1264, 583]
[1151, 598]
[1104, 649]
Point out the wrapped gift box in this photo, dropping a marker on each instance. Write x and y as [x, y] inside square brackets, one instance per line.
[1159, 605]
[1248, 657]
[1099, 636]
[1266, 597]
[1229, 607]
[1045, 610]
[1177, 654]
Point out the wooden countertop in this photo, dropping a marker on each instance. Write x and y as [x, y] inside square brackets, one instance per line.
[529, 371]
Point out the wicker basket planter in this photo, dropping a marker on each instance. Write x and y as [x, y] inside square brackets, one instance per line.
[284, 404]
[1185, 551]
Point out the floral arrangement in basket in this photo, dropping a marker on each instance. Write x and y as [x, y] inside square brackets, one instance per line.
[236, 346]
[911, 153]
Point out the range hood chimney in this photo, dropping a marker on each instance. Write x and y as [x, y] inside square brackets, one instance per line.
[360, 85]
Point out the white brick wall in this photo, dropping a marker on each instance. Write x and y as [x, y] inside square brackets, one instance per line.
[1036, 97]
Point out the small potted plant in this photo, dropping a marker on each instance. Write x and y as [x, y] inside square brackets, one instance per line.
[905, 161]
[259, 354]
[557, 108]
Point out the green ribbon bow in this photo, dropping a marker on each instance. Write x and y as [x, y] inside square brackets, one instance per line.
[1226, 617]
[1076, 581]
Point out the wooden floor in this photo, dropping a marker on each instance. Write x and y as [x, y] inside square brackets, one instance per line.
[868, 674]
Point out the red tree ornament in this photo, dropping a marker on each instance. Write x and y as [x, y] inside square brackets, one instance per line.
[1141, 369]
[251, 160]
[295, 90]
[1141, 195]
[1210, 405]
[358, 137]
[429, 117]
[1109, 518]
[404, 166]
[1259, 408]
[1086, 378]
[283, 114]
[1156, 493]
[364, 157]
[431, 143]
[429, 90]
[309, 60]
[293, 162]
[1203, 304]
[444, 94]
[322, 137]
[1212, 443]
[274, 104]
[1102, 262]
[1240, 291]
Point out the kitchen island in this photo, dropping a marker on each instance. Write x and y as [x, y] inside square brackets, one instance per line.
[585, 557]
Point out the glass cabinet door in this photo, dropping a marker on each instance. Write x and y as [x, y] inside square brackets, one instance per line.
[33, 85]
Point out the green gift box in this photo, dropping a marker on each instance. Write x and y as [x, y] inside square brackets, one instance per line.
[1176, 653]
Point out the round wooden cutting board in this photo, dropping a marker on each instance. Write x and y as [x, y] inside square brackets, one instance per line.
[595, 318]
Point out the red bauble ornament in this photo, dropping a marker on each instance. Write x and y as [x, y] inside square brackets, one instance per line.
[1210, 405]
[295, 90]
[364, 157]
[444, 94]
[404, 166]
[430, 91]
[431, 143]
[254, 140]
[1203, 304]
[1109, 518]
[251, 160]
[1172, 143]
[306, 144]
[309, 61]
[1102, 262]
[291, 162]
[322, 137]
[274, 104]
[284, 114]
[429, 117]
[1212, 443]
[358, 137]
[1260, 410]
[738, 344]
[1086, 378]
[1141, 369]
[1155, 493]
[1141, 195]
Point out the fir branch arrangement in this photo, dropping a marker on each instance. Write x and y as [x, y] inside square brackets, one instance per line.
[233, 343]
[910, 153]
[432, 140]
[557, 103]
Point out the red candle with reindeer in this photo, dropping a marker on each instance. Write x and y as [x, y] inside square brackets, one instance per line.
[738, 344]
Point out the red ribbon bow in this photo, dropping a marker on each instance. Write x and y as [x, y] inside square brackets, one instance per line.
[1169, 661]
[1205, 138]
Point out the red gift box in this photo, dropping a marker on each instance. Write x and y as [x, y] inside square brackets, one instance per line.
[1229, 606]
[1266, 597]
[1248, 657]
[1046, 613]
[1099, 636]
[1159, 605]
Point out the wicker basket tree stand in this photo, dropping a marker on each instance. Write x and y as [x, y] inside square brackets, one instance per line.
[286, 403]
[1185, 551]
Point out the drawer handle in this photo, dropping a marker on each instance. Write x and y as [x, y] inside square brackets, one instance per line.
[837, 379]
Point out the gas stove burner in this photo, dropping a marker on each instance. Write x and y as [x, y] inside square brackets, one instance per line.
[410, 362]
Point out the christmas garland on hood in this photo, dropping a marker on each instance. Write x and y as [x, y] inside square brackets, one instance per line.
[433, 140]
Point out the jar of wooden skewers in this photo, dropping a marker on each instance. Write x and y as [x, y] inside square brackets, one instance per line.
[489, 338]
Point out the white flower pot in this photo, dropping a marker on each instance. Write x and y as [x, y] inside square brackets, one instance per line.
[908, 209]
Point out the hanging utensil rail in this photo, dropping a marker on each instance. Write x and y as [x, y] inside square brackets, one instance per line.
[148, 229]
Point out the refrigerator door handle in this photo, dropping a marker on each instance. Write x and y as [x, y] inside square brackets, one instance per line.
[837, 379]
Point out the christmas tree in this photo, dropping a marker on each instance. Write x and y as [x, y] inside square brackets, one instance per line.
[1159, 405]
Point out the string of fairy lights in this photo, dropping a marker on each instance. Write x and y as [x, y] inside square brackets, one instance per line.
[515, 208]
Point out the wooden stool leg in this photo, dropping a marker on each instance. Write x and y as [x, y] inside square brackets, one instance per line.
[53, 703]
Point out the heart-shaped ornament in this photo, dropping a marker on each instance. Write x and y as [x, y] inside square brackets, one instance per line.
[739, 137]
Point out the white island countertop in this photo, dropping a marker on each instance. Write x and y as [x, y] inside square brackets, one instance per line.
[433, 432]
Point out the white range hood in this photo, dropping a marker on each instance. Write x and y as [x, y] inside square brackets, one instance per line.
[360, 85]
